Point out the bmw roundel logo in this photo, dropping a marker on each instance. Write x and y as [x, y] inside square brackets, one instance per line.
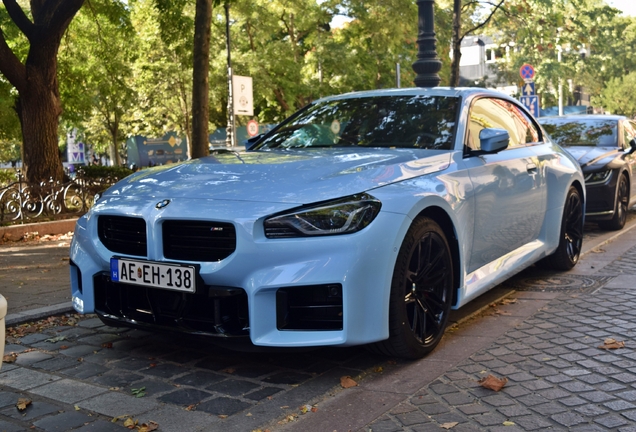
[162, 204]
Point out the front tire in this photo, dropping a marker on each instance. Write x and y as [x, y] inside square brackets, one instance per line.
[421, 292]
[620, 207]
[571, 238]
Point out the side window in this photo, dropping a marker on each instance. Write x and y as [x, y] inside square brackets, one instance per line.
[629, 133]
[500, 114]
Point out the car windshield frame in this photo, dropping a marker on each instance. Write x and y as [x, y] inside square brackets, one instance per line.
[593, 132]
[395, 121]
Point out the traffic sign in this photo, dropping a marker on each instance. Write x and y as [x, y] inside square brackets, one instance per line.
[526, 71]
[531, 103]
[252, 128]
[528, 89]
[243, 98]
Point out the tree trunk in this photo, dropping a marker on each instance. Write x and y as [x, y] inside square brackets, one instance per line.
[200, 83]
[456, 43]
[38, 104]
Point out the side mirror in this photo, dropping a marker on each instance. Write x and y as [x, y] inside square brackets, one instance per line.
[493, 140]
[632, 144]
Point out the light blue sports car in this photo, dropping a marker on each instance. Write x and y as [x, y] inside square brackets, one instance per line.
[362, 219]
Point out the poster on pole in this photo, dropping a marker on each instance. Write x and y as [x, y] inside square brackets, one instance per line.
[242, 94]
[75, 150]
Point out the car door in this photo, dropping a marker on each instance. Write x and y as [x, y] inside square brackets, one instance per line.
[629, 133]
[509, 193]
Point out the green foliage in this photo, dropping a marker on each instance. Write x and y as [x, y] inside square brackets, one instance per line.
[7, 176]
[619, 96]
[99, 171]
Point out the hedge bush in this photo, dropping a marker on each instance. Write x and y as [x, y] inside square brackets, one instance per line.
[7, 176]
[97, 171]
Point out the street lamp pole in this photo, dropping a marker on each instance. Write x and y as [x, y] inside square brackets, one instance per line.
[229, 140]
[427, 64]
[559, 50]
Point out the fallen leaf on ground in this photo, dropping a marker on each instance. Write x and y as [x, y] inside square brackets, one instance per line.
[229, 370]
[222, 416]
[507, 301]
[130, 423]
[449, 425]
[147, 427]
[610, 343]
[347, 382]
[23, 404]
[493, 383]
[76, 407]
[501, 312]
[10, 358]
[378, 369]
[55, 339]
[191, 407]
[508, 423]
[107, 345]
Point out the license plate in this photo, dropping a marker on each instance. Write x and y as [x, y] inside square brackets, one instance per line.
[153, 274]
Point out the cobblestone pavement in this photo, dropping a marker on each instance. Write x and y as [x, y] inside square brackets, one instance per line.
[82, 376]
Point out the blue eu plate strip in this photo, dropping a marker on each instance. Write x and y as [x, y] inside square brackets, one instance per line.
[114, 271]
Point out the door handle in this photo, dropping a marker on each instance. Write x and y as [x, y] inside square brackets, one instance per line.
[532, 168]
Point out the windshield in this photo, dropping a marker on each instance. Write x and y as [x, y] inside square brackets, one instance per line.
[582, 132]
[426, 122]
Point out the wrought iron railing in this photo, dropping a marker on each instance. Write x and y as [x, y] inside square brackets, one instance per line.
[23, 202]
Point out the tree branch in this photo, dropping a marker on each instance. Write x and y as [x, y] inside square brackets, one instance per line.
[10, 65]
[18, 16]
[492, 12]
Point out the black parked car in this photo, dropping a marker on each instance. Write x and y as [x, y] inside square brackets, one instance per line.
[605, 147]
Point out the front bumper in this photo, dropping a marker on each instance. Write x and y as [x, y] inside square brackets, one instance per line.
[265, 289]
[601, 199]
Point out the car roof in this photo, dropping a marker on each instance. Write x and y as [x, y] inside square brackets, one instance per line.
[421, 91]
[577, 117]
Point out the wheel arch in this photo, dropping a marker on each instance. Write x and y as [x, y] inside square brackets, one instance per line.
[442, 218]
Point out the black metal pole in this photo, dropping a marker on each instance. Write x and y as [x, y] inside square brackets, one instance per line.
[229, 141]
[427, 64]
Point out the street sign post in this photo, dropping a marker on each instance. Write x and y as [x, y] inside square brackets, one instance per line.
[242, 95]
[526, 71]
[528, 89]
[531, 103]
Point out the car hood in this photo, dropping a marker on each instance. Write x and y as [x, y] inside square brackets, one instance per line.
[299, 177]
[586, 155]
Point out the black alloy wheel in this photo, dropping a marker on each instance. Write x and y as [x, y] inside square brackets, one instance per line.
[421, 292]
[620, 207]
[571, 239]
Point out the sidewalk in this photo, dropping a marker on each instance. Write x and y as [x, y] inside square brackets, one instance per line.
[543, 338]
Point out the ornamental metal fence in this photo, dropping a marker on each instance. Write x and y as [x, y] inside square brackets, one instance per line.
[22, 202]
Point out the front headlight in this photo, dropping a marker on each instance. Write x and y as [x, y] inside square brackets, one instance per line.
[343, 216]
[598, 177]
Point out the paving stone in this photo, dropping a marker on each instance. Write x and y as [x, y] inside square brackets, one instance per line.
[568, 419]
[435, 408]
[458, 398]
[232, 387]
[32, 411]
[69, 391]
[151, 387]
[597, 396]
[254, 371]
[6, 426]
[289, 378]
[532, 423]
[514, 411]
[536, 385]
[385, 425]
[223, 406]
[619, 405]
[28, 358]
[592, 378]
[572, 401]
[8, 398]
[85, 370]
[625, 377]
[611, 421]
[34, 338]
[165, 370]
[25, 379]
[64, 421]
[549, 409]
[184, 397]
[489, 419]
[117, 378]
[628, 395]
[175, 419]
[576, 387]
[55, 364]
[443, 389]
[113, 404]
[78, 351]
[103, 356]
[591, 410]
[473, 409]
[199, 379]
[98, 340]
[263, 393]
[412, 418]
[532, 400]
